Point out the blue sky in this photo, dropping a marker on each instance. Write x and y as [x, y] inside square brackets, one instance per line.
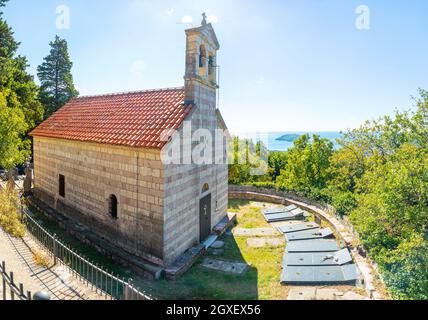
[290, 65]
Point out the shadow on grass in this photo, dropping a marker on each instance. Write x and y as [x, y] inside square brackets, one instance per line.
[201, 283]
[236, 204]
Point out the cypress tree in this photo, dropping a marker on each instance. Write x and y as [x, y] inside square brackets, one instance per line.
[57, 87]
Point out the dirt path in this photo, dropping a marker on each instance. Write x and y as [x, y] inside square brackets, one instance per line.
[57, 280]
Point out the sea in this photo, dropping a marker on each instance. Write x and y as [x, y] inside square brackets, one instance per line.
[275, 145]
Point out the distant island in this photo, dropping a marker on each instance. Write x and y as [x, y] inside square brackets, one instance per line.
[288, 137]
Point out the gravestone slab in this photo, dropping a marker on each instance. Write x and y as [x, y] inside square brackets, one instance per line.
[339, 258]
[236, 268]
[302, 293]
[264, 242]
[309, 235]
[298, 275]
[353, 296]
[322, 245]
[279, 210]
[256, 232]
[298, 227]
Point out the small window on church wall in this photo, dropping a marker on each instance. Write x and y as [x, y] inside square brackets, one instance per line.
[202, 56]
[61, 185]
[113, 206]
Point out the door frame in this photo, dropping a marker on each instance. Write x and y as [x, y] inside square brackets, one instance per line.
[203, 228]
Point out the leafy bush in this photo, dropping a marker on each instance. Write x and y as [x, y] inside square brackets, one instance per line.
[343, 202]
[264, 184]
[41, 259]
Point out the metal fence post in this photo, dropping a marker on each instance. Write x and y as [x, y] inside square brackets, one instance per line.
[12, 283]
[55, 249]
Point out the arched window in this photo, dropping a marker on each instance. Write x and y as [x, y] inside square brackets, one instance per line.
[202, 56]
[205, 188]
[112, 206]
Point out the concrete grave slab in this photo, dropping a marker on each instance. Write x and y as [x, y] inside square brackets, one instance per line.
[297, 275]
[352, 296]
[279, 210]
[236, 268]
[302, 293]
[256, 232]
[285, 216]
[339, 258]
[218, 244]
[280, 224]
[322, 245]
[298, 227]
[327, 294]
[309, 235]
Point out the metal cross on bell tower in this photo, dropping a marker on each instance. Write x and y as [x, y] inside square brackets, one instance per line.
[204, 19]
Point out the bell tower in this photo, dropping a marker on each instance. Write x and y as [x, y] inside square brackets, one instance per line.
[201, 65]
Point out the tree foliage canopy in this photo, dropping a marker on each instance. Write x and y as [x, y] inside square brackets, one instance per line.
[20, 108]
[57, 87]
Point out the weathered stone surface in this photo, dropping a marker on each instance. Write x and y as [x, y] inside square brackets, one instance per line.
[242, 232]
[327, 294]
[218, 244]
[225, 266]
[265, 242]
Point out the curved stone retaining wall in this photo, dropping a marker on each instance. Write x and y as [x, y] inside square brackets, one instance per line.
[323, 212]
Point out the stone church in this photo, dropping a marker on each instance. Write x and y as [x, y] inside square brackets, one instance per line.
[98, 162]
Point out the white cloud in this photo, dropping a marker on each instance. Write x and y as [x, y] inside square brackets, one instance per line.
[261, 81]
[138, 67]
[212, 19]
[187, 19]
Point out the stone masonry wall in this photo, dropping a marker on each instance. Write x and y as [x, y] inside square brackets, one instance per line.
[92, 173]
[184, 184]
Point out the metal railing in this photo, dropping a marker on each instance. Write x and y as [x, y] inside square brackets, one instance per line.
[11, 290]
[101, 281]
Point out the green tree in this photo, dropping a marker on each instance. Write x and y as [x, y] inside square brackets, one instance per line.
[383, 168]
[57, 87]
[277, 161]
[246, 161]
[2, 4]
[20, 108]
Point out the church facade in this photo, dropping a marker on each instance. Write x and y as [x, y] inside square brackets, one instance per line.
[100, 161]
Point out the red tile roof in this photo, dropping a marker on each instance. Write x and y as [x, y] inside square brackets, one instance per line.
[134, 119]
